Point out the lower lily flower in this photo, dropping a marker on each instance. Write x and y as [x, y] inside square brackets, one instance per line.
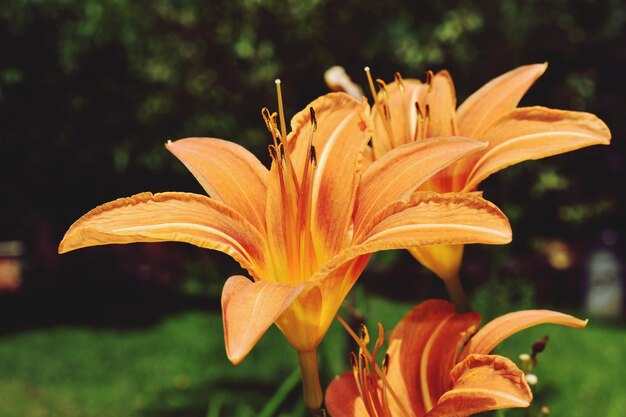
[434, 367]
[409, 111]
[291, 227]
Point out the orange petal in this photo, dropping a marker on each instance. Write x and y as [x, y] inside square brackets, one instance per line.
[495, 99]
[428, 219]
[343, 399]
[249, 309]
[441, 99]
[395, 116]
[399, 172]
[503, 327]
[483, 383]
[180, 217]
[443, 260]
[343, 130]
[534, 133]
[228, 173]
[423, 349]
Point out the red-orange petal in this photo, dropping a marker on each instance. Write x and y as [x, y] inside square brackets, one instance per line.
[483, 383]
[179, 217]
[249, 309]
[228, 172]
[343, 399]
[402, 170]
[495, 99]
[423, 349]
[533, 133]
[505, 326]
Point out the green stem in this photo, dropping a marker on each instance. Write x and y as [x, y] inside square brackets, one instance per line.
[280, 395]
[311, 380]
[457, 294]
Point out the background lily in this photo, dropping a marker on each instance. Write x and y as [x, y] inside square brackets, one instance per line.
[428, 372]
[303, 229]
[408, 111]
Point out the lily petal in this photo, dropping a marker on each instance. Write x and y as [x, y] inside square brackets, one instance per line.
[496, 98]
[441, 99]
[423, 349]
[505, 326]
[443, 260]
[534, 133]
[483, 383]
[402, 170]
[249, 309]
[343, 398]
[180, 217]
[228, 173]
[427, 219]
[343, 129]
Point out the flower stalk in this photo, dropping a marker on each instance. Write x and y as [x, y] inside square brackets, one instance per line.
[313, 396]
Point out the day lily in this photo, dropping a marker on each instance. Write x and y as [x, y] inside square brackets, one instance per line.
[409, 111]
[434, 367]
[303, 229]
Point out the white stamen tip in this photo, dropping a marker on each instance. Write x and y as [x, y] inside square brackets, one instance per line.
[532, 379]
[277, 81]
[366, 69]
[169, 141]
[524, 357]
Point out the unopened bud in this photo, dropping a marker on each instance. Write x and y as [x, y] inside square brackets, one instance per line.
[532, 379]
[544, 411]
[525, 363]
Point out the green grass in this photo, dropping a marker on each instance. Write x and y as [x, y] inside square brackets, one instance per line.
[178, 368]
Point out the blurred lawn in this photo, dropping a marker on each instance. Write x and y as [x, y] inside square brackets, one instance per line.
[179, 368]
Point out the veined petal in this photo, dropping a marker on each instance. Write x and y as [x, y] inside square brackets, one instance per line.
[249, 309]
[423, 349]
[180, 217]
[228, 172]
[402, 170]
[441, 99]
[343, 130]
[505, 326]
[482, 383]
[496, 98]
[432, 219]
[428, 219]
[343, 398]
[534, 133]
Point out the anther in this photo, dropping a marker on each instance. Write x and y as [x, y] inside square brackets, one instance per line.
[419, 110]
[427, 111]
[365, 336]
[429, 77]
[169, 141]
[532, 379]
[313, 155]
[313, 119]
[399, 81]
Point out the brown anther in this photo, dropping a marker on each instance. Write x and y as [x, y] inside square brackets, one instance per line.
[273, 153]
[365, 336]
[386, 363]
[383, 87]
[399, 81]
[419, 110]
[538, 347]
[429, 77]
[313, 119]
[313, 156]
[427, 112]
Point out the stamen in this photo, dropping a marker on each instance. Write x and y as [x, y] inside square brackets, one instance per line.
[376, 369]
[283, 128]
[313, 156]
[371, 84]
[426, 121]
[429, 80]
[399, 81]
[270, 123]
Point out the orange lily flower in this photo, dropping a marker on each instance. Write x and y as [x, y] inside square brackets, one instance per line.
[303, 229]
[409, 111]
[432, 370]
